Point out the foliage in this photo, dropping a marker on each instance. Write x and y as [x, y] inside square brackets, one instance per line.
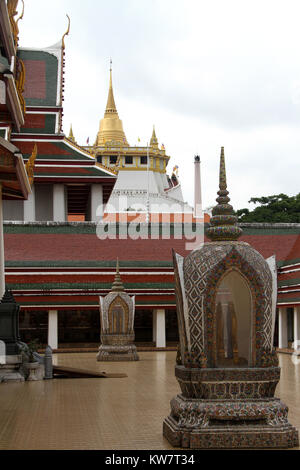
[272, 209]
[29, 349]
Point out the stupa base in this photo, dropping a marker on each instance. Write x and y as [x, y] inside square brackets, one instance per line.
[229, 424]
[117, 353]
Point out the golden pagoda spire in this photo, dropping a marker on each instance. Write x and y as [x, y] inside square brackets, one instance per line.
[111, 127]
[71, 135]
[153, 141]
[110, 105]
[223, 222]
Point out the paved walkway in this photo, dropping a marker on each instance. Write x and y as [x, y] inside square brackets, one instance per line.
[124, 413]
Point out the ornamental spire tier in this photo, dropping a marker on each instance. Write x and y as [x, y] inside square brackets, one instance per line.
[117, 284]
[223, 223]
[111, 127]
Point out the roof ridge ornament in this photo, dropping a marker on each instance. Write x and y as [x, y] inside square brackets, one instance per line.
[22, 14]
[66, 33]
[223, 222]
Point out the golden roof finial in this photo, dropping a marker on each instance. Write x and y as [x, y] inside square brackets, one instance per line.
[223, 222]
[66, 33]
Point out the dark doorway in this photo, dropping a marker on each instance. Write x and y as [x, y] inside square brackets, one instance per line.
[78, 328]
[143, 326]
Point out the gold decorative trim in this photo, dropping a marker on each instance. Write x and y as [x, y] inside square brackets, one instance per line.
[20, 83]
[30, 165]
[12, 12]
[22, 14]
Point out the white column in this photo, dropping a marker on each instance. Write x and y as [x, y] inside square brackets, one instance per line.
[59, 203]
[154, 326]
[197, 188]
[282, 327]
[160, 328]
[96, 202]
[2, 259]
[29, 207]
[297, 328]
[52, 329]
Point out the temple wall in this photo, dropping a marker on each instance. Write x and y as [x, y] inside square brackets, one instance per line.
[43, 202]
[13, 210]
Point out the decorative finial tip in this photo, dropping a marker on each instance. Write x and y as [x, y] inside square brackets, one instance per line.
[223, 222]
[117, 284]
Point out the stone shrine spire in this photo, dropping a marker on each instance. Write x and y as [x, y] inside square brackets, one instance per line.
[117, 284]
[223, 223]
[111, 127]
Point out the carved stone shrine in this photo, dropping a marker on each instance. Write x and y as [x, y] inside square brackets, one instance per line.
[226, 367]
[117, 324]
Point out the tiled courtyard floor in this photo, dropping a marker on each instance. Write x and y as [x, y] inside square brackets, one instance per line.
[112, 413]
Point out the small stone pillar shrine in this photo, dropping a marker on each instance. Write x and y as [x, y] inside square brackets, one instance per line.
[226, 366]
[117, 324]
[10, 357]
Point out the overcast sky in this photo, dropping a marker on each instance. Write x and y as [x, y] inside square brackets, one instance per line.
[206, 73]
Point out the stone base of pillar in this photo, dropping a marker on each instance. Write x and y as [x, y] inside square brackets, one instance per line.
[117, 353]
[229, 424]
[35, 371]
[10, 371]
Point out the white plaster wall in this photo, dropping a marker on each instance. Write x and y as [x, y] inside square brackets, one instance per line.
[44, 202]
[176, 193]
[59, 203]
[96, 200]
[136, 180]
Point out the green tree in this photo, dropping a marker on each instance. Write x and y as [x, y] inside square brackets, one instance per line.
[277, 208]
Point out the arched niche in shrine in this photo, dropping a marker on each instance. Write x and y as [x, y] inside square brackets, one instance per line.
[233, 321]
[118, 316]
